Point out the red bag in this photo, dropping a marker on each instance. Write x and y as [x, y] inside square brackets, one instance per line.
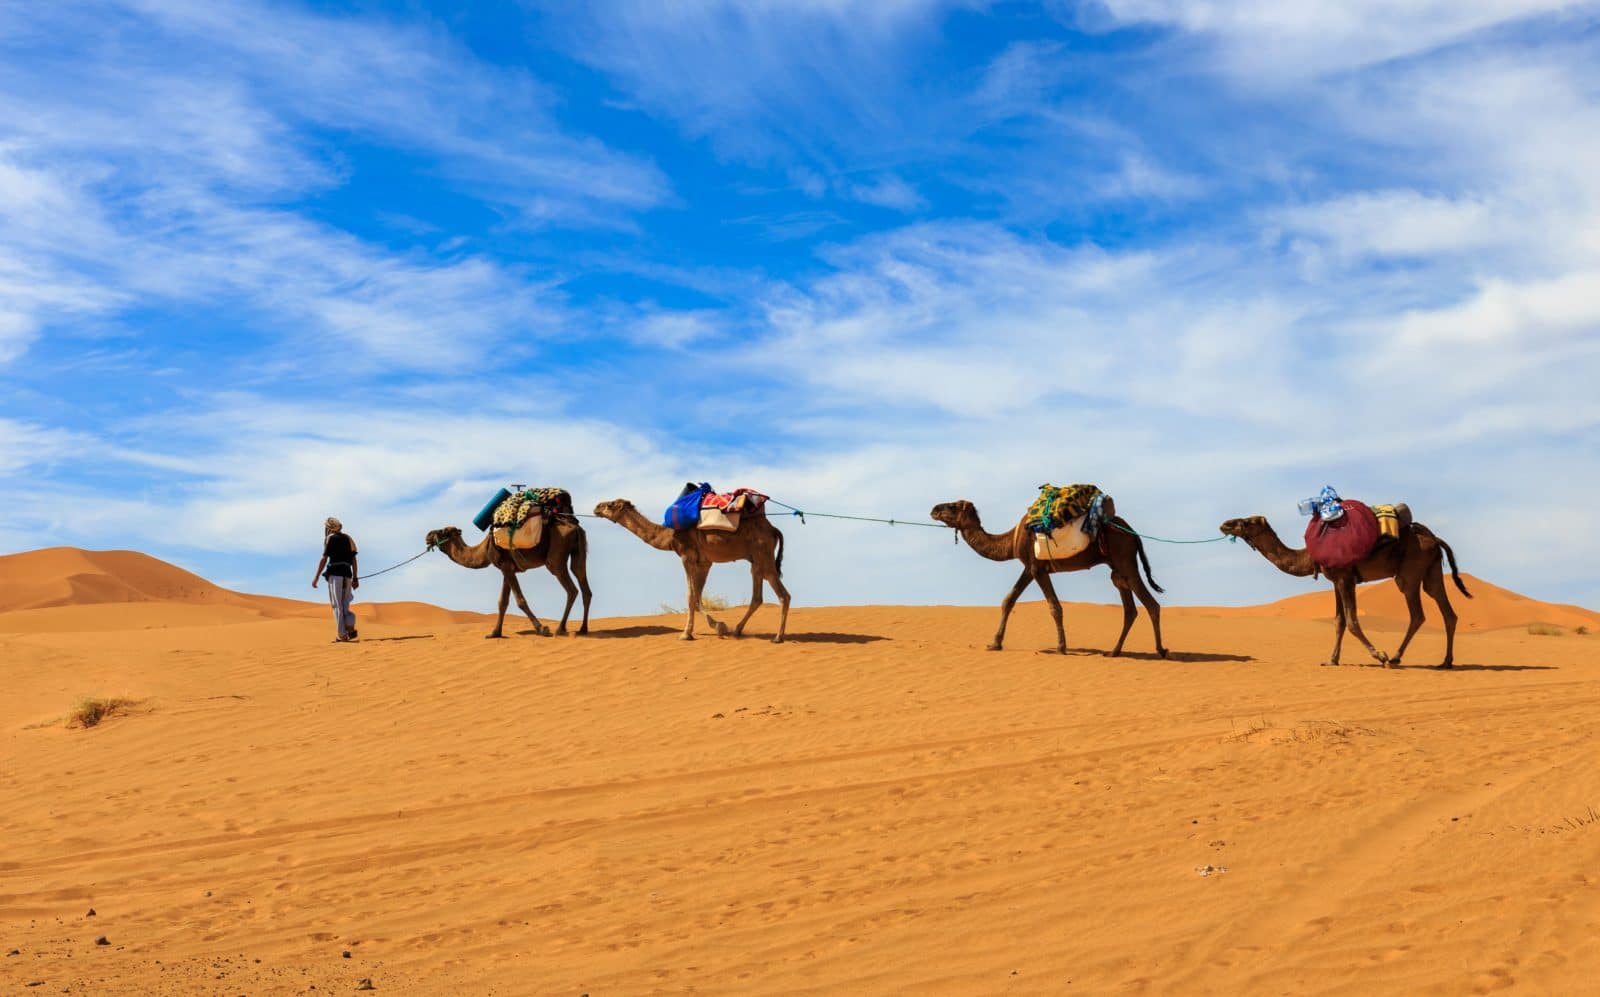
[1346, 540]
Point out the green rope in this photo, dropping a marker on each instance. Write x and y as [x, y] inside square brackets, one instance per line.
[1166, 540]
[859, 519]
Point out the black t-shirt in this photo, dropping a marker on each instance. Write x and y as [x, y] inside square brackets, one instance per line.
[340, 551]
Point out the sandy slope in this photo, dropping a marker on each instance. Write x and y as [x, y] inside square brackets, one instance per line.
[878, 806]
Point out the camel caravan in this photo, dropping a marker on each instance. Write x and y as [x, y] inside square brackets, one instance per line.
[1069, 528]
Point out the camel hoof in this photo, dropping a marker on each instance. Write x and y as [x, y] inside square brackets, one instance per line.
[778, 639]
[1330, 664]
[1445, 665]
[543, 631]
[1161, 653]
[561, 631]
[686, 636]
[993, 647]
[1380, 657]
[494, 636]
[1394, 662]
[722, 630]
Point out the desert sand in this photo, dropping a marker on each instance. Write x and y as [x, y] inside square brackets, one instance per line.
[879, 806]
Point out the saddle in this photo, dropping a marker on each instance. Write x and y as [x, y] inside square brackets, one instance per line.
[1064, 521]
[518, 520]
[700, 506]
[1345, 541]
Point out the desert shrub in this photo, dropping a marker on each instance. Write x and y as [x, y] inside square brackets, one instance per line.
[1581, 631]
[1545, 630]
[91, 710]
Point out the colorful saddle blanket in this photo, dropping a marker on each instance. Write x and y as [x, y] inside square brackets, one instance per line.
[518, 521]
[1343, 542]
[738, 500]
[1056, 507]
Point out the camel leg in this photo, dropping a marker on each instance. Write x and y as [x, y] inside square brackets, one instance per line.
[1411, 588]
[719, 627]
[1129, 613]
[1348, 583]
[1153, 609]
[580, 569]
[696, 574]
[1049, 589]
[1434, 582]
[783, 603]
[755, 599]
[1006, 606]
[505, 598]
[559, 569]
[1338, 625]
[516, 589]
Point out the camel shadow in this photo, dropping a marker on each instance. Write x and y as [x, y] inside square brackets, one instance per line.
[833, 638]
[1173, 656]
[642, 630]
[1480, 668]
[375, 640]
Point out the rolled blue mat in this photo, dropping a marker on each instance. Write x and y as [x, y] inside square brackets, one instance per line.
[485, 515]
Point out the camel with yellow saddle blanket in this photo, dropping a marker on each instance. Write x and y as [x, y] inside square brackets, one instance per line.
[525, 530]
[1067, 529]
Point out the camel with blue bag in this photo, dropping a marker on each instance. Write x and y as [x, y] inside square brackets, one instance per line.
[1073, 528]
[526, 529]
[1350, 543]
[698, 533]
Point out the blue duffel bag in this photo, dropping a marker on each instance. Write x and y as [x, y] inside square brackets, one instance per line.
[685, 512]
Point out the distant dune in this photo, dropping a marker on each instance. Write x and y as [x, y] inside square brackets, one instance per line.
[1490, 608]
[58, 577]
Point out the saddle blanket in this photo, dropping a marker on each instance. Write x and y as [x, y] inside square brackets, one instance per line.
[1057, 506]
[1343, 542]
[738, 500]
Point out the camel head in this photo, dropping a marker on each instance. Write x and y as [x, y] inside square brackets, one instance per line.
[955, 514]
[442, 535]
[612, 510]
[1249, 529]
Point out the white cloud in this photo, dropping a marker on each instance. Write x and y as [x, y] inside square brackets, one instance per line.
[1311, 37]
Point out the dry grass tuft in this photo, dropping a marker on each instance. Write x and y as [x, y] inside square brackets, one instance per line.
[91, 710]
[1581, 631]
[1303, 732]
[708, 604]
[1545, 630]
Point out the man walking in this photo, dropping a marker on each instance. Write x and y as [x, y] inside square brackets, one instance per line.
[338, 566]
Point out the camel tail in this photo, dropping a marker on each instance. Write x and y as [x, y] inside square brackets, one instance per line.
[1144, 559]
[779, 558]
[1454, 573]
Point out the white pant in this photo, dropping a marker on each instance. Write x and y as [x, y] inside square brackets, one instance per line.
[339, 595]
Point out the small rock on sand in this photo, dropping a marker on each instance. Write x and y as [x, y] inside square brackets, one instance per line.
[365, 984]
[102, 940]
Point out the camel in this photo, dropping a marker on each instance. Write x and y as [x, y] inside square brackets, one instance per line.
[1122, 549]
[564, 544]
[1413, 560]
[756, 540]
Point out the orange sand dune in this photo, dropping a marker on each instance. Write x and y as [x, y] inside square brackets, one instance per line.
[877, 806]
[1380, 604]
[60, 577]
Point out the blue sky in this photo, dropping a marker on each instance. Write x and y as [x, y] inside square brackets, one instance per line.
[265, 262]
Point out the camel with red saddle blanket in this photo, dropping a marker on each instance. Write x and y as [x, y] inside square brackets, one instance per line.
[1362, 544]
[721, 529]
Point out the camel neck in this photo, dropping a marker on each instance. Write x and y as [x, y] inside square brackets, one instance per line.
[654, 534]
[994, 546]
[468, 557]
[1287, 559]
